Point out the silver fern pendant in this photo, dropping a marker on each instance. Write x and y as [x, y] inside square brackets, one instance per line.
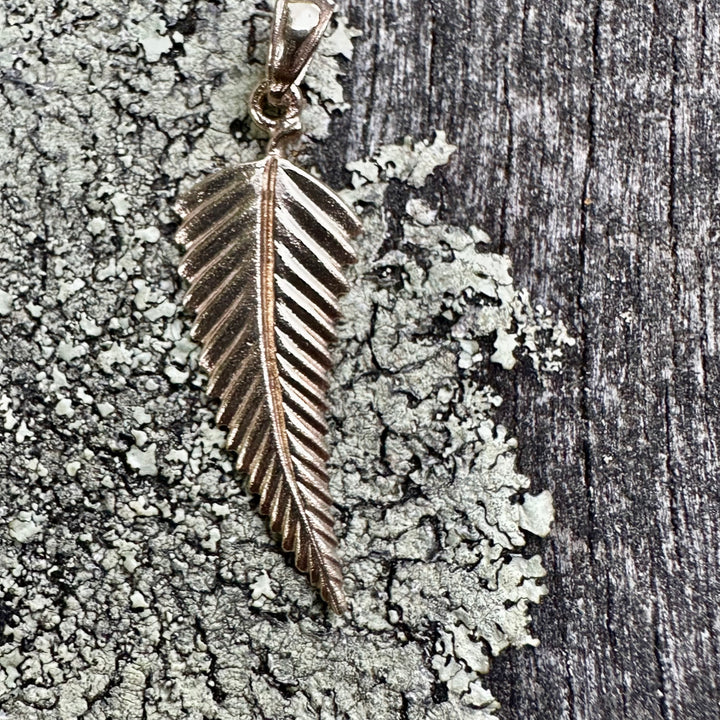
[265, 246]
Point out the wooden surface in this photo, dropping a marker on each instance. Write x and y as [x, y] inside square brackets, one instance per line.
[137, 581]
[588, 137]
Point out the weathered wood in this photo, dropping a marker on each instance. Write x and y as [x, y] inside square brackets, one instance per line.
[132, 569]
[587, 137]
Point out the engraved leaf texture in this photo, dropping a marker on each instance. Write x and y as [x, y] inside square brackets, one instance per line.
[265, 246]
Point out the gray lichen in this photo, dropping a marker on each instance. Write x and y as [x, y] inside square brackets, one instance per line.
[137, 579]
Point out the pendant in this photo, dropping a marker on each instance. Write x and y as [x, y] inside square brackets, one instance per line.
[265, 244]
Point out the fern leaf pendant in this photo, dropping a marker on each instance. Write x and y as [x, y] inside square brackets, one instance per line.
[266, 243]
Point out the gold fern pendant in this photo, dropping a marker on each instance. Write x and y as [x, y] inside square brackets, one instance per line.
[266, 243]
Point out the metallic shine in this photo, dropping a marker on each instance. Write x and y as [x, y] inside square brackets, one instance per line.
[265, 246]
[266, 243]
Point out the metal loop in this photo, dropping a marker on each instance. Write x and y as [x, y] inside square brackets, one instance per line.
[297, 28]
[276, 118]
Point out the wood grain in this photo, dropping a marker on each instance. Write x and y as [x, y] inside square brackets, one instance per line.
[588, 136]
[137, 579]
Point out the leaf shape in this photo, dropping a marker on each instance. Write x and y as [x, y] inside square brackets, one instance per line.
[265, 246]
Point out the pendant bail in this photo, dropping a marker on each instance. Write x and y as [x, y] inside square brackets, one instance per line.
[297, 28]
